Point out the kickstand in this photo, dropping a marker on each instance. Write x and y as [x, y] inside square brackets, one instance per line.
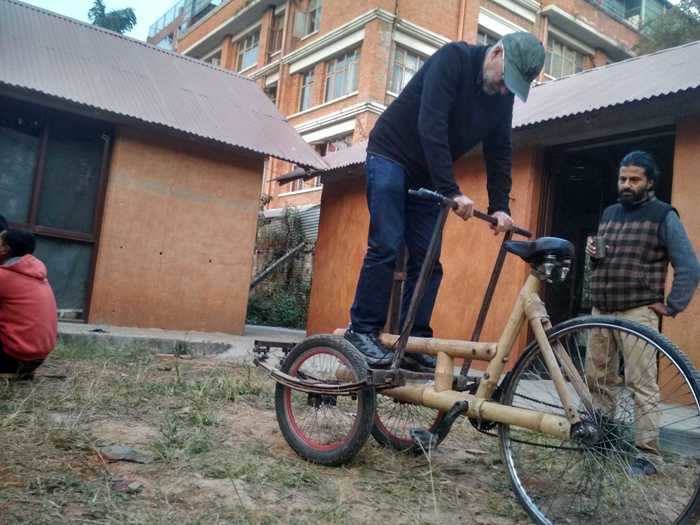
[429, 441]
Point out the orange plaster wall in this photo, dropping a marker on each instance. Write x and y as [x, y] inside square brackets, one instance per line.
[469, 251]
[684, 330]
[177, 237]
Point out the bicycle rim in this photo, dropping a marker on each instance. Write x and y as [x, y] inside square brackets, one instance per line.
[606, 478]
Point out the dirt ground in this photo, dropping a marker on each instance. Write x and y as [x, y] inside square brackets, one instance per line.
[209, 451]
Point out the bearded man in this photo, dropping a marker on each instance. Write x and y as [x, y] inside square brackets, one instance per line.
[637, 238]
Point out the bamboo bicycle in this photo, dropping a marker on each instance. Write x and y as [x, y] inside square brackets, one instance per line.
[570, 458]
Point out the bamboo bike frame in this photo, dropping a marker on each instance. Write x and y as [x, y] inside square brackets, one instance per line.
[440, 396]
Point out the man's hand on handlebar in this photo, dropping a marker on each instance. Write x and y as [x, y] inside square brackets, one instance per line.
[465, 206]
[505, 222]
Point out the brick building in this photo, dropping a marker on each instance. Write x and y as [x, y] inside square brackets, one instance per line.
[332, 66]
[112, 154]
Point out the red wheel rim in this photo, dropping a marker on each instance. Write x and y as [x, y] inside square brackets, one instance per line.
[298, 431]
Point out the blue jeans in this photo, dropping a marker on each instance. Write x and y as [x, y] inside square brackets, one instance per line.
[395, 218]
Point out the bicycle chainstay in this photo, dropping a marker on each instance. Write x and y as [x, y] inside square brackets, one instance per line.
[484, 427]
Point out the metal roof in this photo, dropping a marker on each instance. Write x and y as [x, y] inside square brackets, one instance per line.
[353, 155]
[646, 77]
[70, 61]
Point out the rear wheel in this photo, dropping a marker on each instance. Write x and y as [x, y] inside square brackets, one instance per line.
[395, 419]
[322, 428]
[605, 478]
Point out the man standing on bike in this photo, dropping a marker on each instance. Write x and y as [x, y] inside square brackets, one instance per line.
[461, 97]
[637, 237]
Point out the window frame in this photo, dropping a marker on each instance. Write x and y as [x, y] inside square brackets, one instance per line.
[48, 118]
[350, 61]
[276, 35]
[484, 38]
[313, 17]
[306, 87]
[243, 49]
[569, 59]
[404, 52]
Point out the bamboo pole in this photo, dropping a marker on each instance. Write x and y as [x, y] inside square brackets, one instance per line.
[444, 372]
[490, 379]
[432, 346]
[537, 421]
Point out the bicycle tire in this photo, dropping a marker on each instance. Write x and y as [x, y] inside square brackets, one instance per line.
[603, 482]
[395, 419]
[325, 429]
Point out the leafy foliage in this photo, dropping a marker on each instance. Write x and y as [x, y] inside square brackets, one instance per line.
[282, 299]
[118, 20]
[677, 26]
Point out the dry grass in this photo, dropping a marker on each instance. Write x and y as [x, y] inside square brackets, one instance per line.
[218, 454]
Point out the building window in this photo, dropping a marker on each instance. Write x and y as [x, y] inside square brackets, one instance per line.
[309, 21]
[248, 50]
[341, 75]
[329, 146]
[313, 15]
[51, 184]
[276, 33]
[301, 184]
[485, 39]
[271, 92]
[306, 91]
[324, 148]
[561, 60]
[406, 64]
[167, 43]
[214, 60]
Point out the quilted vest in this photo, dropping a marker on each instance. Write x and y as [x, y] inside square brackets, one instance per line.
[633, 271]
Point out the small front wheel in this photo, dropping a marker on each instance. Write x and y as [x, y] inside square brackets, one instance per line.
[322, 428]
[638, 460]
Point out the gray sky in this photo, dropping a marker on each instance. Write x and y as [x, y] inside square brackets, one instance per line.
[147, 11]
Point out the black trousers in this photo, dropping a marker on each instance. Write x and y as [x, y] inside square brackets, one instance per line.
[11, 365]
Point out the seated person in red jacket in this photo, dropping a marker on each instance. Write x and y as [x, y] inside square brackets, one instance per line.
[28, 323]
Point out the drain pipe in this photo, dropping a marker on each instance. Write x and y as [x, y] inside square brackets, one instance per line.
[460, 27]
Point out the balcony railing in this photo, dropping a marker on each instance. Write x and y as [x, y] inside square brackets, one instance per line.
[190, 11]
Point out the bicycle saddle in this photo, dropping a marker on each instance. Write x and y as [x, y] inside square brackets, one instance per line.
[534, 251]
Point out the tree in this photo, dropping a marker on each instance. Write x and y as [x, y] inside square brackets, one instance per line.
[678, 25]
[118, 20]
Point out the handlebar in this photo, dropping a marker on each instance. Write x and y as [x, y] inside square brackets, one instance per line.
[427, 194]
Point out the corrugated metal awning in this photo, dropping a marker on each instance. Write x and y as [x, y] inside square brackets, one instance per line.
[67, 61]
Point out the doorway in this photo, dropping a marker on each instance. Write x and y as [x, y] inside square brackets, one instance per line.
[580, 182]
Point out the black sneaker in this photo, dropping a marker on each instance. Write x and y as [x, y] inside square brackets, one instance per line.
[369, 345]
[418, 362]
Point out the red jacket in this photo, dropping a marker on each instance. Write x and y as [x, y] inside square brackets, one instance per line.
[28, 323]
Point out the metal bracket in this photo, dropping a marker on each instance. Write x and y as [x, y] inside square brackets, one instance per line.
[386, 378]
[261, 349]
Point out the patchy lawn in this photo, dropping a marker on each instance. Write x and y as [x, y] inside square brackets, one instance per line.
[209, 451]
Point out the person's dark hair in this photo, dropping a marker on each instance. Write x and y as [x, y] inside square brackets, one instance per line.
[643, 160]
[20, 242]
[3, 223]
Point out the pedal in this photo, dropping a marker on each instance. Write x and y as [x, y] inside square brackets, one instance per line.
[429, 440]
[426, 440]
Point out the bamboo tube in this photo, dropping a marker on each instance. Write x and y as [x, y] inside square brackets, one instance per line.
[554, 371]
[452, 347]
[549, 424]
[426, 395]
[489, 381]
[444, 372]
